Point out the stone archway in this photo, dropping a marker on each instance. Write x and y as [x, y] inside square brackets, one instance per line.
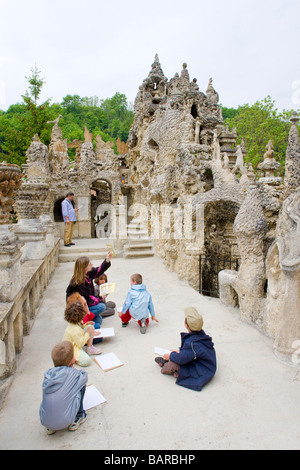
[101, 194]
[220, 244]
[57, 213]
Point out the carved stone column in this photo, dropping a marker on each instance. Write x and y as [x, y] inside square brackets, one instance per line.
[10, 267]
[46, 219]
[30, 230]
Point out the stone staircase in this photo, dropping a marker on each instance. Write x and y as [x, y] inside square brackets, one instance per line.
[138, 242]
[93, 248]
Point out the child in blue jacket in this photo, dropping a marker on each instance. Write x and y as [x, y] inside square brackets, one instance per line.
[138, 304]
[194, 364]
[63, 391]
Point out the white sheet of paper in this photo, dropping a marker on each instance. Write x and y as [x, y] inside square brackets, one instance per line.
[161, 351]
[108, 361]
[92, 397]
[105, 332]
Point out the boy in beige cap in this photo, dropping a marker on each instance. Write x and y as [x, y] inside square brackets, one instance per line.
[194, 364]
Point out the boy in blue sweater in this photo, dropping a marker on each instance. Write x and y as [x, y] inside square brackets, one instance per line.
[138, 304]
[63, 391]
[194, 364]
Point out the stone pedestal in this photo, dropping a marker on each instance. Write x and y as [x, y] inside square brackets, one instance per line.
[50, 228]
[10, 267]
[32, 234]
[31, 231]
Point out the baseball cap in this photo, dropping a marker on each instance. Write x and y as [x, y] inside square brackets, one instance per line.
[194, 319]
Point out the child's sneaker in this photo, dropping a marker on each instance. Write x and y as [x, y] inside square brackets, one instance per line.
[143, 327]
[160, 361]
[124, 324]
[50, 431]
[92, 350]
[77, 422]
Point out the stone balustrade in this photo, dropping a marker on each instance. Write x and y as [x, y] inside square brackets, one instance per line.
[17, 316]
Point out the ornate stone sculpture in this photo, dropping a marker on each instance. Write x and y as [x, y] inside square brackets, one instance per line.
[292, 160]
[10, 181]
[288, 242]
[10, 269]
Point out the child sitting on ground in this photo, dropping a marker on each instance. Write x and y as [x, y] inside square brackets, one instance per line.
[89, 316]
[79, 335]
[109, 306]
[195, 363]
[138, 304]
[63, 391]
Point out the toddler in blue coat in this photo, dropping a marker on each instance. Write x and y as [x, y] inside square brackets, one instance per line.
[138, 304]
[194, 364]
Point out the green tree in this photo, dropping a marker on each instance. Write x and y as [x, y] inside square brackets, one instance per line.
[259, 123]
[35, 85]
[23, 121]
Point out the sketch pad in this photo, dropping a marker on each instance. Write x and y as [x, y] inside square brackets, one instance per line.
[161, 351]
[107, 288]
[92, 397]
[108, 361]
[104, 333]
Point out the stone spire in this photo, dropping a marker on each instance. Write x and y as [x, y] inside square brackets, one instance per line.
[156, 70]
[292, 160]
[211, 93]
[269, 167]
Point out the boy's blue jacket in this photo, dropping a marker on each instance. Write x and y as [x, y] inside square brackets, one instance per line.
[197, 360]
[139, 302]
[61, 396]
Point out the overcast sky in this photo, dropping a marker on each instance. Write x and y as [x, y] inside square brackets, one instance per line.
[97, 48]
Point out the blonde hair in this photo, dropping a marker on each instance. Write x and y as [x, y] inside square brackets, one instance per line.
[79, 275]
[62, 354]
[138, 278]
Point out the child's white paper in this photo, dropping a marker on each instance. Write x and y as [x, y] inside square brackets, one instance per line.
[108, 361]
[161, 351]
[92, 397]
[107, 288]
[104, 333]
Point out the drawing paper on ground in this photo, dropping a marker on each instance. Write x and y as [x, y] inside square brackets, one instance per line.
[108, 361]
[92, 397]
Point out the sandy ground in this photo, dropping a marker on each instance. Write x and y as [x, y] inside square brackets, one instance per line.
[252, 402]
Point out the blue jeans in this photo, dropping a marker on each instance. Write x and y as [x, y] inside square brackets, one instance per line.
[81, 410]
[97, 310]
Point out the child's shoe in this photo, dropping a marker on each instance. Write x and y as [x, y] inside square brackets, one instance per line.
[143, 327]
[160, 361]
[124, 324]
[77, 422]
[92, 350]
[50, 431]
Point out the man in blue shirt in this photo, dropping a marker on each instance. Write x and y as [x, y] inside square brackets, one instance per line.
[69, 216]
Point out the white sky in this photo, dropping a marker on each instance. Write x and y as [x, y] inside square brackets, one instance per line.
[97, 48]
